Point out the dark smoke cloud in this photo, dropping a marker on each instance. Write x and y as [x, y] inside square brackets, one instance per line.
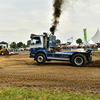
[57, 12]
[58, 5]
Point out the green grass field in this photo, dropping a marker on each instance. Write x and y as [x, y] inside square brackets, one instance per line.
[13, 93]
[96, 51]
[95, 57]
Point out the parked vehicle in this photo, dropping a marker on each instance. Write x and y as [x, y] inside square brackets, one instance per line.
[3, 49]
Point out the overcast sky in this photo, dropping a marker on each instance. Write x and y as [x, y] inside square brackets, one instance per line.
[20, 18]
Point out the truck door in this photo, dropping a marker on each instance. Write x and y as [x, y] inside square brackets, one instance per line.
[36, 43]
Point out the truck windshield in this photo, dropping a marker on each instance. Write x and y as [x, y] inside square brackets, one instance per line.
[0, 47]
[35, 40]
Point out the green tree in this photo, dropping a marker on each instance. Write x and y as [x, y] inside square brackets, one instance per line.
[24, 46]
[19, 45]
[68, 43]
[4, 43]
[13, 45]
[28, 43]
[79, 41]
[58, 41]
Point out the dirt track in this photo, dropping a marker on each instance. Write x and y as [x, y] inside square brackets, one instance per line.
[22, 71]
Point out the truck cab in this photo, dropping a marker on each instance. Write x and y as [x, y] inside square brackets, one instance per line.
[42, 49]
[36, 43]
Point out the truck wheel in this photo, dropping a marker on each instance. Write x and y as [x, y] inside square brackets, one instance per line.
[40, 58]
[78, 60]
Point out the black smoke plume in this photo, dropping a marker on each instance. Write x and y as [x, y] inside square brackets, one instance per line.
[57, 12]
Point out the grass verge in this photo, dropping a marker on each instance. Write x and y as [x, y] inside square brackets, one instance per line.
[13, 93]
[95, 56]
[96, 51]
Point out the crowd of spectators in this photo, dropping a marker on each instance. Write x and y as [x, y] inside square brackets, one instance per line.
[15, 50]
[93, 47]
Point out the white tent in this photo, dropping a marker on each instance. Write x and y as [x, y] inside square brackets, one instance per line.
[63, 42]
[91, 42]
[96, 37]
[86, 43]
[74, 43]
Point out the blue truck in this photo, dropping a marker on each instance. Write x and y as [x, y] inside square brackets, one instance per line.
[42, 49]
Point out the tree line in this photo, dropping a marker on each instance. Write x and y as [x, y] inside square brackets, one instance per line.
[15, 45]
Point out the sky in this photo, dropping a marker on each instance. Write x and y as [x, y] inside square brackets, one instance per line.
[20, 18]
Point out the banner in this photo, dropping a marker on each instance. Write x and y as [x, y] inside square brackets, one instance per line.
[85, 34]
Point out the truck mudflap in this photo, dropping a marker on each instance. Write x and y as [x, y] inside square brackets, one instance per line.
[89, 57]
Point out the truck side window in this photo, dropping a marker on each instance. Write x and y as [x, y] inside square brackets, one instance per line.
[36, 40]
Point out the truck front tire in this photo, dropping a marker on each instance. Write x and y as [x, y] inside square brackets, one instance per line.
[78, 60]
[40, 58]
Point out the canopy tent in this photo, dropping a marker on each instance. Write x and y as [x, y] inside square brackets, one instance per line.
[85, 43]
[91, 42]
[74, 43]
[96, 37]
[63, 42]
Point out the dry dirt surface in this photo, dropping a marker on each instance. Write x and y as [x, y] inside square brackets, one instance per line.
[22, 71]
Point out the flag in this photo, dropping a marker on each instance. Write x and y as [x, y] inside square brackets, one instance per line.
[85, 34]
[8, 45]
[70, 39]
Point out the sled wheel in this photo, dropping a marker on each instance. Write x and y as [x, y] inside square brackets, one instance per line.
[40, 58]
[2, 53]
[78, 60]
[7, 52]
